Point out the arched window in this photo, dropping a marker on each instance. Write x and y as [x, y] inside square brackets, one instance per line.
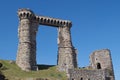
[98, 66]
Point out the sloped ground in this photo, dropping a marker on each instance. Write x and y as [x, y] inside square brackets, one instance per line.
[12, 72]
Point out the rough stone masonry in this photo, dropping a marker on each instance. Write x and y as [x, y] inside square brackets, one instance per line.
[100, 68]
[28, 27]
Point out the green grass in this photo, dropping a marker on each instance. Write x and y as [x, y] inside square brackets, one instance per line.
[13, 72]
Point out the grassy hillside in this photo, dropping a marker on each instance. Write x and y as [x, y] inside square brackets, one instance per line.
[13, 72]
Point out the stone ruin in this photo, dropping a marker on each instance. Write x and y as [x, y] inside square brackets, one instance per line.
[100, 67]
[28, 27]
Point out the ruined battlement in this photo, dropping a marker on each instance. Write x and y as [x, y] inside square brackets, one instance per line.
[43, 20]
[25, 14]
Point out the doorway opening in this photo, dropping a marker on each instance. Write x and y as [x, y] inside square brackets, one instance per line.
[98, 66]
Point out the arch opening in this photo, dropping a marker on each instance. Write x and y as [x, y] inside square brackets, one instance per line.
[47, 46]
[98, 66]
[81, 78]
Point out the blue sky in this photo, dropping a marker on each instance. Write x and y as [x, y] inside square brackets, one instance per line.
[96, 25]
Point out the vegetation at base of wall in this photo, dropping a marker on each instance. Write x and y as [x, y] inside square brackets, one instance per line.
[13, 72]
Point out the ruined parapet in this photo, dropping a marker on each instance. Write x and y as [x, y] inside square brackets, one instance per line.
[28, 27]
[25, 14]
[54, 22]
[101, 59]
[43, 20]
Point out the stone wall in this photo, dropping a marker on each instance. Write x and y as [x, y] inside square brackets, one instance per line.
[84, 74]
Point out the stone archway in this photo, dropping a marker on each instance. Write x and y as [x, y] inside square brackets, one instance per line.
[28, 27]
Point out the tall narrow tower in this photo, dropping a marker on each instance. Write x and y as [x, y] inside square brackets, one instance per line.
[66, 52]
[28, 26]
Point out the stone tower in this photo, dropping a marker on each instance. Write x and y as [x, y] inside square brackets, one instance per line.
[101, 59]
[28, 27]
[100, 68]
[66, 52]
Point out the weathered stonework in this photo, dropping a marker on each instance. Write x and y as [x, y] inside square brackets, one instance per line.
[28, 27]
[83, 74]
[101, 59]
[100, 68]
[66, 52]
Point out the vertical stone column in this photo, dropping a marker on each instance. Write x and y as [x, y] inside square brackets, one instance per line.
[66, 52]
[28, 26]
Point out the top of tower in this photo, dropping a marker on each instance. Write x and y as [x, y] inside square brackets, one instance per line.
[26, 10]
[25, 13]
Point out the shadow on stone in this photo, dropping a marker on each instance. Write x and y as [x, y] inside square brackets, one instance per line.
[42, 67]
[1, 65]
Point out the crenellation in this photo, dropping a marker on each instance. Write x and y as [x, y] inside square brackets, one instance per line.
[25, 14]
[53, 21]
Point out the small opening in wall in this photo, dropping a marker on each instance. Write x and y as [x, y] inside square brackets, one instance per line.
[108, 78]
[45, 20]
[51, 21]
[98, 66]
[48, 21]
[81, 78]
[41, 19]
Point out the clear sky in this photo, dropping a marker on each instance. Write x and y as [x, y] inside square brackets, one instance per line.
[96, 25]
